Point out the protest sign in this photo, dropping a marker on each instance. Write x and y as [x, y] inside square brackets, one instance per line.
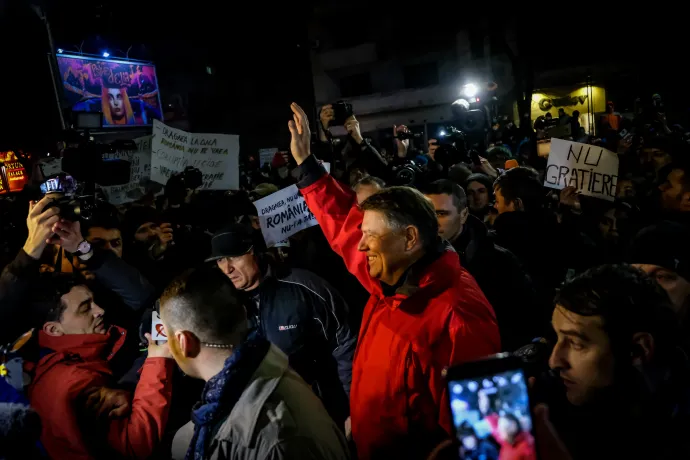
[140, 169]
[216, 155]
[592, 170]
[282, 214]
[266, 156]
[157, 328]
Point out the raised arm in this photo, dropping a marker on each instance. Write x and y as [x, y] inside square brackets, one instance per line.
[334, 207]
[138, 435]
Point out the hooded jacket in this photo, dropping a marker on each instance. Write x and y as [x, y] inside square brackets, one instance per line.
[79, 362]
[437, 317]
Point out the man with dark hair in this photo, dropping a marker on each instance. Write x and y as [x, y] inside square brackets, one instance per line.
[367, 186]
[103, 232]
[546, 249]
[518, 189]
[674, 187]
[663, 252]
[497, 271]
[297, 311]
[425, 311]
[619, 360]
[78, 349]
[253, 406]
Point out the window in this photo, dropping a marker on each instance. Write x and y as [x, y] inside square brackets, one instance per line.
[356, 85]
[420, 75]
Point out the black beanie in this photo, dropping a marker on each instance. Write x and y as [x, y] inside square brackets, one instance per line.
[666, 244]
[136, 217]
[484, 180]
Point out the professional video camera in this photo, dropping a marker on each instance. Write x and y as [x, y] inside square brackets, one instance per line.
[85, 163]
[453, 148]
[72, 207]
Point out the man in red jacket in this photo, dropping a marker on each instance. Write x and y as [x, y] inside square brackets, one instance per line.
[425, 312]
[79, 347]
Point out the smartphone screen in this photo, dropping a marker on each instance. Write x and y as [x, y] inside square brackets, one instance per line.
[491, 411]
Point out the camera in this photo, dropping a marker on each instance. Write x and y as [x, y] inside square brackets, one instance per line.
[410, 173]
[64, 188]
[403, 136]
[341, 112]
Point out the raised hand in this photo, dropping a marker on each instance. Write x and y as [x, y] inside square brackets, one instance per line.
[301, 135]
[404, 144]
[40, 223]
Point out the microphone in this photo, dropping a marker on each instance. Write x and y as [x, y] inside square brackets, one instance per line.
[20, 428]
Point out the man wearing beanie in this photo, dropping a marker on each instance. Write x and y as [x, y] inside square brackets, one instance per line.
[663, 252]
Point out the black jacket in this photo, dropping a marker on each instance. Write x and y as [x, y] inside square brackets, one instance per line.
[308, 320]
[521, 316]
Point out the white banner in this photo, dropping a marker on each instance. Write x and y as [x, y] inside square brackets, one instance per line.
[140, 169]
[282, 214]
[592, 170]
[216, 155]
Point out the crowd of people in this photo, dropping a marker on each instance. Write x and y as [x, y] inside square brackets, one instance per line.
[334, 344]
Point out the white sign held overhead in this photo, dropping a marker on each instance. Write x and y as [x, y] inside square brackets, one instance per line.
[216, 155]
[592, 170]
[282, 214]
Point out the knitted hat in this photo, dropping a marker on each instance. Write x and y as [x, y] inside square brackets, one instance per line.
[136, 217]
[665, 244]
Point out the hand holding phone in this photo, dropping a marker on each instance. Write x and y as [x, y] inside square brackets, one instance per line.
[491, 409]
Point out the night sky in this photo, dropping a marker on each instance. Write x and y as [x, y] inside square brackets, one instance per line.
[260, 53]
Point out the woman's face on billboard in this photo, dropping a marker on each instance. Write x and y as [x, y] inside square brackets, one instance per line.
[117, 105]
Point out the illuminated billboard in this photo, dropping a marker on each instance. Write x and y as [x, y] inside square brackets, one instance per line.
[126, 92]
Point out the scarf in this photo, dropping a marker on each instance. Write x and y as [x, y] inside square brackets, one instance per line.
[222, 392]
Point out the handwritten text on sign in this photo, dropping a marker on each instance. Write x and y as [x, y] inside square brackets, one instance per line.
[140, 169]
[592, 170]
[216, 155]
[282, 214]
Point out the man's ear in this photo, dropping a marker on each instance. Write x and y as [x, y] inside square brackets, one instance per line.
[190, 345]
[411, 237]
[642, 348]
[53, 328]
[517, 205]
[464, 214]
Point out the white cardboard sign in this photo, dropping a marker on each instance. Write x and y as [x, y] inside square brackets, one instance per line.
[282, 214]
[216, 155]
[592, 170]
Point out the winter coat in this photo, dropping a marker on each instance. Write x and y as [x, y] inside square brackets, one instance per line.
[277, 417]
[521, 316]
[307, 319]
[437, 317]
[79, 362]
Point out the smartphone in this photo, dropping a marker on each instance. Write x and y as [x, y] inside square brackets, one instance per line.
[491, 409]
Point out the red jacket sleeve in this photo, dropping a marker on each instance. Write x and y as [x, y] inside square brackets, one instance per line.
[335, 208]
[54, 399]
[139, 434]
